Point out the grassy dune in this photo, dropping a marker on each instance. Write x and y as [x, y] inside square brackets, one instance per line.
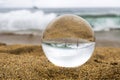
[28, 62]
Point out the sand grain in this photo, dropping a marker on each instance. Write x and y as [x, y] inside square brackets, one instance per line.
[28, 62]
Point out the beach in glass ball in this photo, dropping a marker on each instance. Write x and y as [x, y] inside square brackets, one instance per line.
[68, 41]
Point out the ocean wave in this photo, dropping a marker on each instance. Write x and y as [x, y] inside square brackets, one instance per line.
[24, 19]
[104, 23]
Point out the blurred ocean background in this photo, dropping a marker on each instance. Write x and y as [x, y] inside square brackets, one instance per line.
[34, 20]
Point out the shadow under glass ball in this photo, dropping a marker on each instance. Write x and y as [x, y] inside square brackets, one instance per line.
[68, 41]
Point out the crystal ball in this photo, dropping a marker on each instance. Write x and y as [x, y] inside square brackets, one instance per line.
[68, 41]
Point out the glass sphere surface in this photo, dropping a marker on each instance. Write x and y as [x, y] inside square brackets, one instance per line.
[68, 41]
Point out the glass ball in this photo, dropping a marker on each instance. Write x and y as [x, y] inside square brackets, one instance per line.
[68, 41]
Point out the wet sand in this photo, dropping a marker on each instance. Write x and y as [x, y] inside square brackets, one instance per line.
[108, 39]
[105, 39]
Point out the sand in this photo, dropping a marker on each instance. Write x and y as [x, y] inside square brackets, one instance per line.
[28, 62]
[69, 26]
[22, 58]
[103, 39]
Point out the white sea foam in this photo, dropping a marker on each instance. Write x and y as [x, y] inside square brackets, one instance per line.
[24, 19]
[28, 20]
[104, 23]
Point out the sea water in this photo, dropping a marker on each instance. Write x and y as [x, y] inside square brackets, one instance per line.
[14, 20]
[68, 54]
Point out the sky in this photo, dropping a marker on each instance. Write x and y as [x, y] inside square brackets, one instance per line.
[59, 3]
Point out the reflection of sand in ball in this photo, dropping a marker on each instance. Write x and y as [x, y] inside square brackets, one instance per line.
[68, 41]
[69, 26]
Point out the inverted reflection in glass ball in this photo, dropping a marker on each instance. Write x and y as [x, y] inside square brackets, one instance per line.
[68, 41]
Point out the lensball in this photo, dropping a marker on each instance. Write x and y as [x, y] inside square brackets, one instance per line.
[68, 41]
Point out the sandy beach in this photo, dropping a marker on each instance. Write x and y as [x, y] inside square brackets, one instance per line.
[22, 58]
[103, 38]
[28, 62]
